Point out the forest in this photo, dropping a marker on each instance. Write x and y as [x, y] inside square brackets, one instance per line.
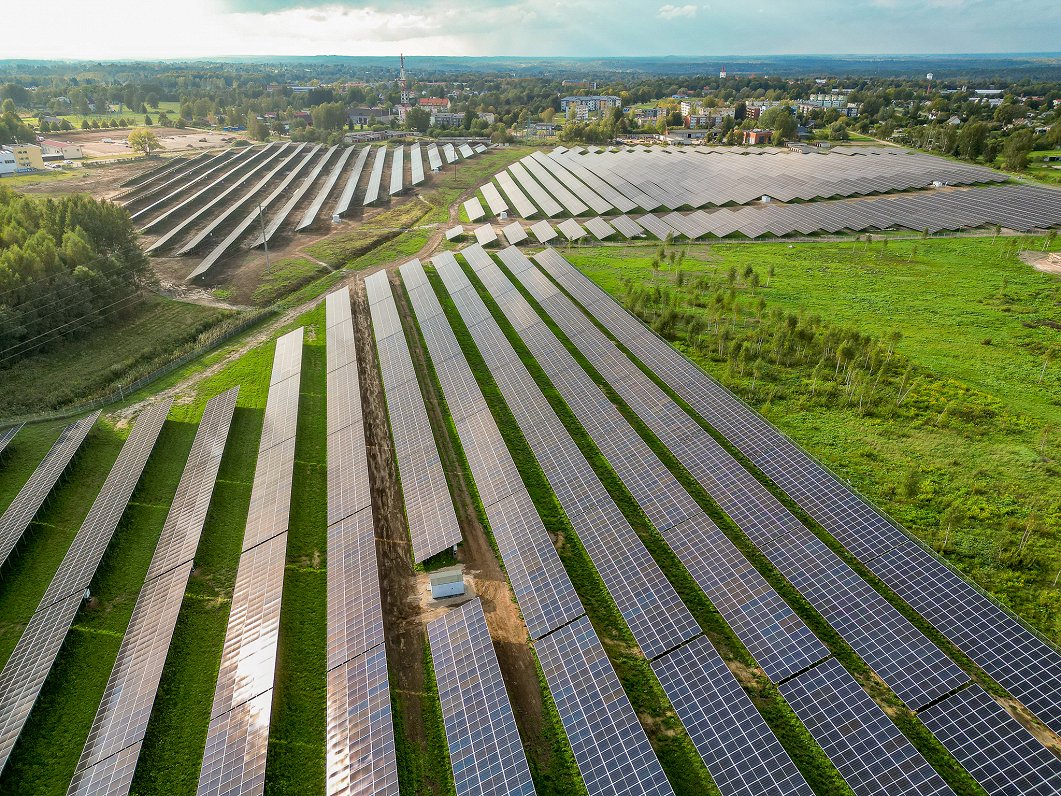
[66, 264]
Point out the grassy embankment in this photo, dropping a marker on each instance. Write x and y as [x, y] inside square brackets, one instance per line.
[963, 448]
[88, 364]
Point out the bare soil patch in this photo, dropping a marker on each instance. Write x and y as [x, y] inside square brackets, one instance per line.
[1047, 262]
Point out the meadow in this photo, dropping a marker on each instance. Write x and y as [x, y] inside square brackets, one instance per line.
[959, 441]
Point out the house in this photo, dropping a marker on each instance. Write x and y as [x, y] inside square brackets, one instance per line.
[64, 149]
[543, 128]
[364, 116]
[682, 135]
[757, 136]
[7, 163]
[848, 109]
[27, 156]
[698, 120]
[434, 103]
[446, 119]
[591, 104]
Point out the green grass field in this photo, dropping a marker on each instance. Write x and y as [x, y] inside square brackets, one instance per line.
[88, 365]
[968, 459]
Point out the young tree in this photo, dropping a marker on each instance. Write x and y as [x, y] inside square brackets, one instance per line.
[1016, 149]
[144, 141]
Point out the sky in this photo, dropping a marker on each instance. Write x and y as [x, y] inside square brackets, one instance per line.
[150, 29]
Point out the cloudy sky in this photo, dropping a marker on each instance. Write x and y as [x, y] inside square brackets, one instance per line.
[195, 28]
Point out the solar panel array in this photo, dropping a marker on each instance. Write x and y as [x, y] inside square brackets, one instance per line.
[485, 752]
[465, 151]
[361, 756]
[648, 603]
[397, 170]
[24, 507]
[541, 586]
[549, 207]
[572, 229]
[655, 615]
[433, 158]
[256, 215]
[108, 761]
[231, 208]
[428, 508]
[228, 168]
[519, 200]
[449, 153]
[26, 669]
[610, 746]
[993, 746]
[494, 199]
[416, 161]
[8, 434]
[277, 221]
[915, 668]
[352, 179]
[695, 177]
[740, 751]
[543, 231]
[869, 751]
[376, 177]
[600, 228]
[269, 154]
[322, 193]
[774, 635]
[1012, 654]
[238, 736]
[485, 235]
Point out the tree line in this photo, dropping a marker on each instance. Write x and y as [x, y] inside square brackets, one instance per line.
[66, 264]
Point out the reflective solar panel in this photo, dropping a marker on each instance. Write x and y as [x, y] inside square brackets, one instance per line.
[869, 751]
[485, 752]
[376, 176]
[428, 507]
[740, 751]
[610, 746]
[34, 654]
[915, 668]
[1024, 664]
[992, 746]
[360, 756]
[25, 505]
[8, 434]
[236, 746]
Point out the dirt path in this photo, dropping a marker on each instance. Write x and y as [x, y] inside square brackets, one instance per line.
[507, 629]
[1047, 262]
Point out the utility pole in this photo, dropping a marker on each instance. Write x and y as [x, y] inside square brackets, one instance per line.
[261, 219]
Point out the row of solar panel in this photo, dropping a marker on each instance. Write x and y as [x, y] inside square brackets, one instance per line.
[28, 665]
[655, 615]
[994, 722]
[562, 182]
[360, 736]
[610, 747]
[238, 734]
[740, 758]
[232, 173]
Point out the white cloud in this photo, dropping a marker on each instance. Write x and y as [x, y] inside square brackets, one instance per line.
[674, 12]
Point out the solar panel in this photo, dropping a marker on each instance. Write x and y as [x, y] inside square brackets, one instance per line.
[610, 746]
[397, 170]
[222, 161]
[361, 757]
[433, 157]
[237, 739]
[8, 434]
[549, 206]
[1024, 664]
[514, 233]
[346, 197]
[913, 667]
[992, 746]
[869, 751]
[428, 507]
[465, 151]
[449, 153]
[484, 747]
[572, 229]
[543, 231]
[485, 235]
[648, 603]
[25, 505]
[33, 656]
[600, 228]
[740, 751]
[493, 199]
[417, 163]
[376, 177]
[474, 208]
[519, 200]
[545, 594]
[322, 195]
